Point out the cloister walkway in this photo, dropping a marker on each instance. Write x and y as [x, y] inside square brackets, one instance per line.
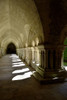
[17, 82]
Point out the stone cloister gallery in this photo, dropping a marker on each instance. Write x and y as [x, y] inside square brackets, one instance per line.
[36, 31]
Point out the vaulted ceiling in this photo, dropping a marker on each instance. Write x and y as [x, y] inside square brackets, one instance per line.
[19, 23]
[32, 22]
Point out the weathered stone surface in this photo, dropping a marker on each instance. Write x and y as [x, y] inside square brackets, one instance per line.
[19, 23]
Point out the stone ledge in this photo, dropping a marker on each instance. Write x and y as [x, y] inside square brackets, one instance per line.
[48, 80]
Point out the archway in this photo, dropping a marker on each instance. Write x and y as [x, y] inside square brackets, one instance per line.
[65, 54]
[11, 49]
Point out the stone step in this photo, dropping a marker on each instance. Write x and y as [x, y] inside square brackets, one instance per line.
[48, 80]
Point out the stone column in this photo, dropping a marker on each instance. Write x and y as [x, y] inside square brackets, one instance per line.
[1, 52]
[24, 54]
[30, 56]
[54, 56]
[36, 58]
[43, 63]
[40, 69]
[51, 57]
[33, 56]
[62, 60]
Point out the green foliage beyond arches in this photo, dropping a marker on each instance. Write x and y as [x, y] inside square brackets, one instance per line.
[65, 42]
[65, 53]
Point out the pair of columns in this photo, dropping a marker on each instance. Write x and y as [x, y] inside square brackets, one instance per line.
[44, 59]
[31, 55]
[51, 61]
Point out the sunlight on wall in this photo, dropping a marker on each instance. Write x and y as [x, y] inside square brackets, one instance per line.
[37, 41]
[26, 45]
[33, 43]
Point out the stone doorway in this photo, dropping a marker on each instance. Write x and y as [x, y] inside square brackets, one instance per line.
[11, 49]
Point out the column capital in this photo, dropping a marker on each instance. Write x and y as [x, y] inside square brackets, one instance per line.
[54, 46]
[41, 47]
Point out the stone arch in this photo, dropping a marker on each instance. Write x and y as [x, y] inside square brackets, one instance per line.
[35, 37]
[63, 35]
[24, 23]
[6, 42]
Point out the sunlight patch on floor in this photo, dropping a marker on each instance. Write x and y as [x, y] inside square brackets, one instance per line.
[22, 77]
[65, 68]
[17, 63]
[16, 60]
[20, 71]
[24, 73]
[14, 56]
[20, 65]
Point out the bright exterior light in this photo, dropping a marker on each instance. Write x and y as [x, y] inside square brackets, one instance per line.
[20, 71]
[22, 77]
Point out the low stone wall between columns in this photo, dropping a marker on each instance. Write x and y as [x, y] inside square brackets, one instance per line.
[32, 55]
[46, 61]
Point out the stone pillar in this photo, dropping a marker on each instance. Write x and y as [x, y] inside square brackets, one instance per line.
[40, 69]
[1, 54]
[51, 57]
[33, 56]
[62, 60]
[42, 56]
[36, 58]
[54, 67]
[28, 55]
[24, 54]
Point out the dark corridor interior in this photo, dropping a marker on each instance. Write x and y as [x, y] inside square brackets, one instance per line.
[11, 49]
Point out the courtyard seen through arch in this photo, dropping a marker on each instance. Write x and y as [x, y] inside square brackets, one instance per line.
[65, 55]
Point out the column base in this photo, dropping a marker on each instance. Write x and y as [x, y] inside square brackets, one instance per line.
[40, 71]
[47, 77]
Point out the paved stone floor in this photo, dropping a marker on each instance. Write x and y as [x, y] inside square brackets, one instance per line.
[16, 83]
